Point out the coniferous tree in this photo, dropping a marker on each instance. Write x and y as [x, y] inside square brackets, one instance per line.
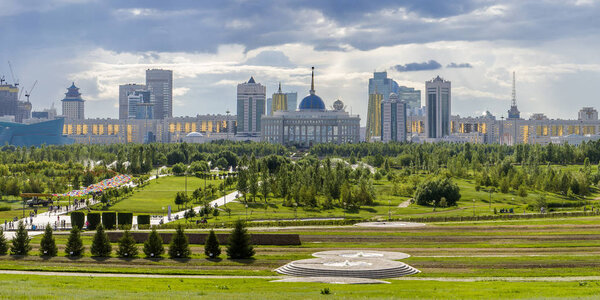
[153, 246]
[179, 247]
[3, 243]
[212, 248]
[48, 244]
[74, 245]
[100, 244]
[127, 246]
[20, 243]
[239, 242]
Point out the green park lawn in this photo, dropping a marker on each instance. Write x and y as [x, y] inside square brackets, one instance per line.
[39, 287]
[499, 251]
[160, 193]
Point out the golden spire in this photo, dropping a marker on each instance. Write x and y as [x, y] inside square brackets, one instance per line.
[279, 87]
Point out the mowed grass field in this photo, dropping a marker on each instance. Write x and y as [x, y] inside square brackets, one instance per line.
[161, 193]
[386, 204]
[450, 257]
[42, 287]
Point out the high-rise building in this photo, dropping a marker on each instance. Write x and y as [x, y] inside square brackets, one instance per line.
[124, 91]
[10, 104]
[73, 104]
[588, 114]
[250, 107]
[374, 116]
[513, 112]
[140, 105]
[393, 119]
[438, 101]
[160, 84]
[410, 96]
[382, 84]
[292, 101]
[279, 101]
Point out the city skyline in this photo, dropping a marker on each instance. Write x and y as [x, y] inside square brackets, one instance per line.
[476, 45]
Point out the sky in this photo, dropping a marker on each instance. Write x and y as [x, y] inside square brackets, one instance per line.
[211, 46]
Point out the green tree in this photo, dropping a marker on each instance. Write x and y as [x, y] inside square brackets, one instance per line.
[179, 247]
[20, 243]
[240, 246]
[48, 244]
[522, 192]
[101, 246]
[265, 183]
[153, 246]
[212, 248]
[3, 243]
[74, 247]
[430, 192]
[127, 247]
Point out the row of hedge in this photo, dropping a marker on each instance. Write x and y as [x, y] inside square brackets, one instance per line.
[498, 217]
[274, 223]
[109, 219]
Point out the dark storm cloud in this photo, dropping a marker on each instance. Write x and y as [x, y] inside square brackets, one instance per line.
[429, 65]
[200, 26]
[459, 65]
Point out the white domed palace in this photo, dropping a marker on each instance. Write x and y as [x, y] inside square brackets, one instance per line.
[312, 123]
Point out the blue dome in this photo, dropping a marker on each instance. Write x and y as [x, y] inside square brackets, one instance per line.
[313, 102]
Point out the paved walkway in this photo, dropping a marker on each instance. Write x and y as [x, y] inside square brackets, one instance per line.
[91, 274]
[231, 197]
[56, 217]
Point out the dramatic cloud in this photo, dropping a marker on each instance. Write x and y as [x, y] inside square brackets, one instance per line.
[460, 65]
[213, 45]
[424, 66]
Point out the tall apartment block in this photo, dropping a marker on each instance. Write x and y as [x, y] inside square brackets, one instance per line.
[160, 84]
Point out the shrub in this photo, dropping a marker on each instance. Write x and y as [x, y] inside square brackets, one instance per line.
[430, 192]
[20, 243]
[78, 219]
[125, 219]
[153, 246]
[239, 242]
[4, 208]
[100, 244]
[127, 246]
[109, 219]
[93, 220]
[74, 245]
[48, 244]
[143, 220]
[212, 248]
[179, 247]
[3, 243]
[522, 192]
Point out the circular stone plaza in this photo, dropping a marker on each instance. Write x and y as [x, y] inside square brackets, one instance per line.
[348, 266]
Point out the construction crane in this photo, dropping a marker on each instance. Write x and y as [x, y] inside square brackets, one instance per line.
[15, 81]
[27, 94]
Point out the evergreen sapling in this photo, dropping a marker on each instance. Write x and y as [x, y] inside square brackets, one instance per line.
[74, 247]
[100, 244]
[48, 244]
[212, 248]
[179, 247]
[239, 242]
[153, 246]
[127, 246]
[20, 243]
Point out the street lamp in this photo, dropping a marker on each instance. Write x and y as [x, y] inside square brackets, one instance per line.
[473, 207]
[389, 210]
[246, 212]
[344, 209]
